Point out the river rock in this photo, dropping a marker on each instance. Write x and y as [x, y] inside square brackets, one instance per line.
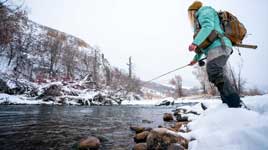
[177, 126]
[137, 129]
[141, 137]
[140, 146]
[89, 143]
[181, 118]
[203, 106]
[164, 103]
[168, 117]
[179, 111]
[162, 138]
[175, 146]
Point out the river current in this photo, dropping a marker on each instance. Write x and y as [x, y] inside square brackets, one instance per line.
[48, 127]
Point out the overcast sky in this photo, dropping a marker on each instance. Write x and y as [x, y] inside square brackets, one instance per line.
[156, 33]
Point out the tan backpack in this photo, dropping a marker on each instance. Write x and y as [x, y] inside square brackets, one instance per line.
[232, 27]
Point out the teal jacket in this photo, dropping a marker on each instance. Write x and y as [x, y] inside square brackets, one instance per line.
[208, 20]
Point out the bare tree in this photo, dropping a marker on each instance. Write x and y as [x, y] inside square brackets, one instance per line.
[253, 91]
[55, 45]
[69, 61]
[11, 27]
[236, 79]
[202, 76]
[177, 82]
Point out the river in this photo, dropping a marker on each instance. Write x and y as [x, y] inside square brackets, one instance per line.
[48, 127]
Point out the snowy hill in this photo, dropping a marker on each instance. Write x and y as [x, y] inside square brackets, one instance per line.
[36, 60]
[45, 52]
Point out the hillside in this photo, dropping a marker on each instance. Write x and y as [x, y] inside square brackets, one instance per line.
[47, 53]
[44, 63]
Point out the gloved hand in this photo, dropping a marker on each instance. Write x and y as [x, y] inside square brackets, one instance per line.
[192, 47]
[193, 62]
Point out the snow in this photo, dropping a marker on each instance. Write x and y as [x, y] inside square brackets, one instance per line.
[11, 84]
[18, 99]
[222, 128]
[4, 68]
[142, 102]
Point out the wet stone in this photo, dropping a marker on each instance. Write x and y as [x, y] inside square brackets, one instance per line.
[181, 118]
[177, 126]
[137, 129]
[89, 143]
[141, 137]
[162, 138]
[175, 146]
[168, 117]
[140, 146]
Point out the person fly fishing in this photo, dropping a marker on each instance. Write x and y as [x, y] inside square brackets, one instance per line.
[215, 33]
[210, 40]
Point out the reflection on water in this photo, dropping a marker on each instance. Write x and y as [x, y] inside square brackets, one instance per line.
[44, 127]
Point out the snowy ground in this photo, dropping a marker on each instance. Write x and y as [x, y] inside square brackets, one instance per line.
[223, 128]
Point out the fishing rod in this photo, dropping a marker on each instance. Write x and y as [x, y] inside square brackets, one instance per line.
[200, 62]
[168, 73]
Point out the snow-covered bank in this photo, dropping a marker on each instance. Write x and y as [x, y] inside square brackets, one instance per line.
[16, 99]
[23, 100]
[223, 128]
[60, 93]
[146, 102]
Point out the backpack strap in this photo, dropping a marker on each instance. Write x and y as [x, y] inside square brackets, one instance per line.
[197, 24]
[220, 36]
[211, 38]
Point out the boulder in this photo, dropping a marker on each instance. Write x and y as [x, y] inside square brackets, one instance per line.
[168, 117]
[141, 137]
[89, 143]
[164, 103]
[162, 138]
[140, 146]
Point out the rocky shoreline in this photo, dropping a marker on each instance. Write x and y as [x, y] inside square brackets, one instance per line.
[159, 138]
[164, 138]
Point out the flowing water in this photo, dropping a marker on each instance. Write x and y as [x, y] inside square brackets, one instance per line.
[47, 127]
